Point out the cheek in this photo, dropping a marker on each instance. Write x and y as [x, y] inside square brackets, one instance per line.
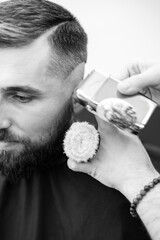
[35, 122]
[37, 125]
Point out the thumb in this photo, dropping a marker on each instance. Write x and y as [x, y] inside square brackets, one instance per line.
[81, 167]
[135, 83]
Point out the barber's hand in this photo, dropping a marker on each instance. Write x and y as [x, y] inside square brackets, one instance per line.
[144, 78]
[121, 161]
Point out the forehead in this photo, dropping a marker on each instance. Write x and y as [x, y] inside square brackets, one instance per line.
[27, 65]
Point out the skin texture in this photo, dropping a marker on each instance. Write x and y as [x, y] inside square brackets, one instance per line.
[32, 102]
[27, 67]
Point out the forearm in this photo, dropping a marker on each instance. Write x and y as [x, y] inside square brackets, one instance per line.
[148, 208]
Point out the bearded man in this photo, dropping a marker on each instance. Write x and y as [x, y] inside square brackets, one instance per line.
[43, 51]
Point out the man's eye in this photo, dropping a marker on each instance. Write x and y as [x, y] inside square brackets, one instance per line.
[22, 99]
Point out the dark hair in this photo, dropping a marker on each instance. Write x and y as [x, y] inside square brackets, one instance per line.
[23, 21]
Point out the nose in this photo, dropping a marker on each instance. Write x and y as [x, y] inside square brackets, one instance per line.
[4, 123]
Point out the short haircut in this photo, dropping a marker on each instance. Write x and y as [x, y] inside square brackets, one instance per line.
[23, 21]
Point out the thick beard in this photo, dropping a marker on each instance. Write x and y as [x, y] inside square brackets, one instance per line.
[41, 155]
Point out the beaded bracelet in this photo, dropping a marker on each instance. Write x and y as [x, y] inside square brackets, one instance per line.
[142, 193]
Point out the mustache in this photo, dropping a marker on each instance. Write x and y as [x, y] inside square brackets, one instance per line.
[6, 137]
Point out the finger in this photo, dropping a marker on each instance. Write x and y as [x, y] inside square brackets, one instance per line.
[123, 73]
[136, 83]
[81, 167]
[129, 70]
[105, 126]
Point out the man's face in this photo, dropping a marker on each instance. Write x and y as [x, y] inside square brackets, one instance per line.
[33, 107]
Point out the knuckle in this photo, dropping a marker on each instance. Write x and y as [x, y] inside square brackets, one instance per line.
[93, 173]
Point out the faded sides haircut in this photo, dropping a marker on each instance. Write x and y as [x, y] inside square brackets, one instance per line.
[23, 21]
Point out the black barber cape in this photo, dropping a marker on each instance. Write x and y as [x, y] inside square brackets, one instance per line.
[60, 204]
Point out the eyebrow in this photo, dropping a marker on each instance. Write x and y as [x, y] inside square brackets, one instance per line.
[23, 89]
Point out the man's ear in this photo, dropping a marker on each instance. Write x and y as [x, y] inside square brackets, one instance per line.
[76, 76]
[76, 106]
[73, 80]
